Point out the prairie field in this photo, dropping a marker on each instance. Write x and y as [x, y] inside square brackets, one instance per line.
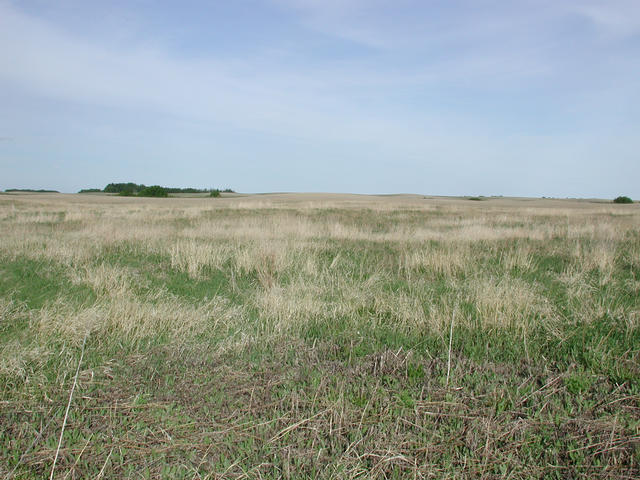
[318, 336]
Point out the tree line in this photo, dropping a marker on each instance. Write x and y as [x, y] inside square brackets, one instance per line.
[141, 190]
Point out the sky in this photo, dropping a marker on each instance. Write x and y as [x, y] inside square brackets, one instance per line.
[451, 97]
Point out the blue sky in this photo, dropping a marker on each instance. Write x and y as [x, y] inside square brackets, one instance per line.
[456, 97]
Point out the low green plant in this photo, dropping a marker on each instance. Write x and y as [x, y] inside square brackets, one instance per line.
[622, 199]
[215, 193]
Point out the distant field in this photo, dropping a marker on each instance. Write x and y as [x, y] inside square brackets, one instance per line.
[319, 336]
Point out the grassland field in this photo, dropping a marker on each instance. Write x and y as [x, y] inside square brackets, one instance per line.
[318, 336]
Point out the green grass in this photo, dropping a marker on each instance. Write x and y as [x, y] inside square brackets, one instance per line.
[35, 282]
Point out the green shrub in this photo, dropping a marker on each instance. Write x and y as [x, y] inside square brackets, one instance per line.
[215, 193]
[153, 191]
[622, 199]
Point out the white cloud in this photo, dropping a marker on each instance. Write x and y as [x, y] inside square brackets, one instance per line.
[49, 62]
[311, 102]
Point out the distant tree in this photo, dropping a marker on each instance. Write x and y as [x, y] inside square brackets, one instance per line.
[90, 190]
[215, 193]
[153, 191]
[622, 199]
[123, 187]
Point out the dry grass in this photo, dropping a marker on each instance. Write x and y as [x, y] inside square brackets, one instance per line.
[264, 336]
[283, 241]
[508, 302]
[279, 239]
[133, 319]
[196, 257]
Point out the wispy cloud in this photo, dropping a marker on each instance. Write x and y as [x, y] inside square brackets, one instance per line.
[475, 49]
[309, 102]
[53, 63]
[349, 19]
